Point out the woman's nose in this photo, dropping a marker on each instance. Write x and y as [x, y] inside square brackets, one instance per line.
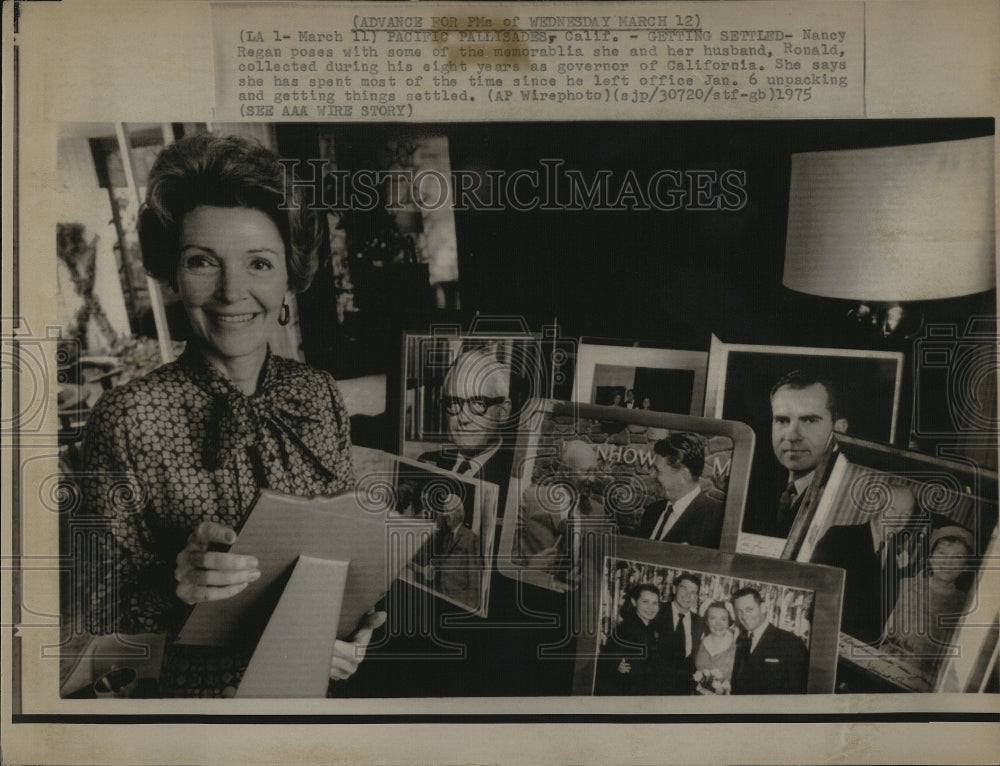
[232, 284]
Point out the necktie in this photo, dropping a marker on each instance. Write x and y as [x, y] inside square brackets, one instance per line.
[661, 526]
[680, 634]
[743, 644]
[785, 504]
[742, 652]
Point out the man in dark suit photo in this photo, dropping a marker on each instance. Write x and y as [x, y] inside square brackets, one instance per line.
[688, 514]
[805, 412]
[680, 632]
[451, 562]
[769, 660]
[477, 404]
[875, 556]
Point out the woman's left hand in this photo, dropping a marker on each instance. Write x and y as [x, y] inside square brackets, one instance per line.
[347, 655]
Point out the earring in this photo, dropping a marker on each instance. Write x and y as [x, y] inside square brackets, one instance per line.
[285, 315]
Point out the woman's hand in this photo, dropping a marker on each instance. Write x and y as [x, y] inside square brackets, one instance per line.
[204, 575]
[347, 655]
[624, 667]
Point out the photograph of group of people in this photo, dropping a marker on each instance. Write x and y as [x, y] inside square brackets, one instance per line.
[640, 375]
[677, 632]
[727, 509]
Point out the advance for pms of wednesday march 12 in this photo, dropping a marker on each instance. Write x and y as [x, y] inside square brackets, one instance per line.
[399, 64]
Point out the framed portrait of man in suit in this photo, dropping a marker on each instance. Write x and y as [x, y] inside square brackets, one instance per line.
[912, 533]
[584, 474]
[795, 399]
[676, 620]
[463, 395]
[455, 564]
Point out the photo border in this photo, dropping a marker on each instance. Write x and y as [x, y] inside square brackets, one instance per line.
[486, 507]
[826, 582]
[978, 482]
[530, 447]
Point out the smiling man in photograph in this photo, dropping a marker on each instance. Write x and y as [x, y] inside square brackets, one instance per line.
[805, 412]
[687, 514]
[769, 659]
[680, 632]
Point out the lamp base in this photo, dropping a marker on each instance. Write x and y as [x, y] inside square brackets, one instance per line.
[892, 321]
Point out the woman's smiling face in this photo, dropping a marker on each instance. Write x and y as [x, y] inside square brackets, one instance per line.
[232, 280]
[647, 605]
[718, 620]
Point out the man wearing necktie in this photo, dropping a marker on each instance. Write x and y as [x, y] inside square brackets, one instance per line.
[477, 405]
[688, 514]
[457, 560]
[804, 415]
[769, 660]
[875, 555]
[680, 632]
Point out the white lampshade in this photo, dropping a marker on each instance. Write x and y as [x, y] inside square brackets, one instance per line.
[902, 223]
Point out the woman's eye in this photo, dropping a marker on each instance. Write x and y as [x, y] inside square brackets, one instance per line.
[198, 261]
[261, 264]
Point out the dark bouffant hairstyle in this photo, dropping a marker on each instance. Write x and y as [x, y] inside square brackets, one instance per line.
[205, 169]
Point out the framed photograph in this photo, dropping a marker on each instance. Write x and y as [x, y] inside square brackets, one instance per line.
[678, 620]
[456, 562]
[586, 471]
[662, 217]
[463, 396]
[913, 534]
[640, 375]
[864, 387]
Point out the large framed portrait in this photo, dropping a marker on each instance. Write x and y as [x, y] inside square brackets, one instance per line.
[462, 397]
[677, 620]
[585, 474]
[914, 535]
[640, 375]
[863, 386]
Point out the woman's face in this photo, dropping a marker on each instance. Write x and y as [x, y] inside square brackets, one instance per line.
[232, 279]
[945, 562]
[718, 620]
[647, 605]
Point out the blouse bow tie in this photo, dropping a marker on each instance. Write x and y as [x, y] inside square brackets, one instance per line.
[263, 424]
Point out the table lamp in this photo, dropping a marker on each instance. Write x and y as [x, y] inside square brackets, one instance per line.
[891, 226]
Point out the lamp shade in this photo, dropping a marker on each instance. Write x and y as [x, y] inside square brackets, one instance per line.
[895, 224]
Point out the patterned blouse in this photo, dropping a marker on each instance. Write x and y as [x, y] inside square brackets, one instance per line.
[183, 445]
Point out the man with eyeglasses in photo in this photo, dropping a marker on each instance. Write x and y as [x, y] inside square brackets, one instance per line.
[477, 405]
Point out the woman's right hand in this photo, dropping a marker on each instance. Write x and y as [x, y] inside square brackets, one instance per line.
[624, 667]
[204, 575]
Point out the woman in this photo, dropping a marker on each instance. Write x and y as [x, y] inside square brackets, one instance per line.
[174, 459]
[915, 624]
[638, 634]
[717, 651]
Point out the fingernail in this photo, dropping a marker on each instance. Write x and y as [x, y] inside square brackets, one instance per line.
[252, 563]
[255, 574]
